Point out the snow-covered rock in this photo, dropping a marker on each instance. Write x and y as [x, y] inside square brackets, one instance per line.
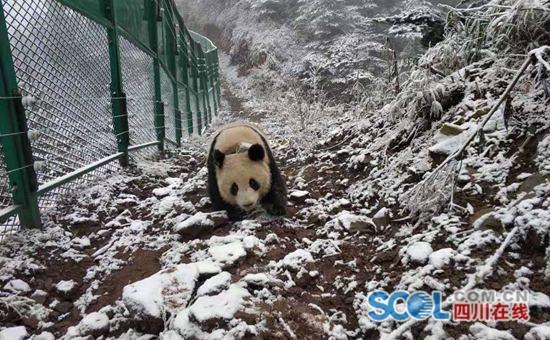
[441, 257]
[14, 333]
[538, 332]
[351, 222]
[221, 306]
[298, 196]
[17, 286]
[260, 280]
[95, 324]
[65, 287]
[419, 252]
[169, 289]
[227, 254]
[207, 268]
[296, 260]
[215, 284]
[482, 332]
[201, 221]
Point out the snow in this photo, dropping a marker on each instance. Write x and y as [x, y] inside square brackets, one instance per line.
[215, 284]
[351, 222]
[221, 306]
[296, 260]
[65, 286]
[14, 333]
[94, 323]
[419, 252]
[441, 257]
[227, 254]
[481, 332]
[538, 332]
[260, 279]
[198, 220]
[17, 287]
[149, 297]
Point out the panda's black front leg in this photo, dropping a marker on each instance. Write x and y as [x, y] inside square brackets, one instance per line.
[275, 202]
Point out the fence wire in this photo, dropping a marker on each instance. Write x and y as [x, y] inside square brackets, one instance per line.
[139, 85]
[62, 66]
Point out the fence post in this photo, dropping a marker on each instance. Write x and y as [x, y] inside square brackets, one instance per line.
[118, 97]
[185, 67]
[204, 86]
[15, 142]
[212, 78]
[195, 76]
[153, 17]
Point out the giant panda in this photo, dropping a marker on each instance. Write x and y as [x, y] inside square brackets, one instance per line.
[242, 173]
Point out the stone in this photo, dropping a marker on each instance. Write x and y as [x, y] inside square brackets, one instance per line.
[63, 307]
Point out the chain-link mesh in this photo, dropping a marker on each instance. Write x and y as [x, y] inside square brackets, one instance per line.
[62, 65]
[182, 98]
[61, 61]
[167, 90]
[139, 85]
[11, 224]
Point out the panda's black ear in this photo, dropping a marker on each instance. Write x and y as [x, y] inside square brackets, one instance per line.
[219, 157]
[256, 152]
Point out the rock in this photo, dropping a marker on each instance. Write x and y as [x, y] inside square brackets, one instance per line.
[168, 289]
[218, 307]
[95, 324]
[382, 218]
[44, 336]
[441, 257]
[449, 129]
[207, 268]
[298, 196]
[63, 307]
[14, 333]
[30, 322]
[351, 222]
[18, 287]
[67, 289]
[488, 221]
[296, 260]
[39, 296]
[419, 252]
[215, 284]
[227, 254]
[201, 223]
[260, 280]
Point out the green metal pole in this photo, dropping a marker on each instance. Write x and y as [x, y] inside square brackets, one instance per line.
[212, 81]
[195, 76]
[204, 88]
[118, 97]
[153, 17]
[185, 68]
[15, 142]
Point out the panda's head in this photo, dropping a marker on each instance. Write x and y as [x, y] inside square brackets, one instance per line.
[243, 178]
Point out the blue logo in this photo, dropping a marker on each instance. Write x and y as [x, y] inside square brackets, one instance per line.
[418, 305]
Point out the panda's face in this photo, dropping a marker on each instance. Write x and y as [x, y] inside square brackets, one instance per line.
[243, 178]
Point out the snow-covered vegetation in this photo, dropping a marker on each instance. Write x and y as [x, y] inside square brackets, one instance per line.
[430, 172]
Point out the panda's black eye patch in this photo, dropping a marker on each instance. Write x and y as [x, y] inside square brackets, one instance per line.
[254, 184]
[234, 189]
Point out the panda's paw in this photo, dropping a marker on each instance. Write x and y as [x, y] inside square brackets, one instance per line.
[276, 210]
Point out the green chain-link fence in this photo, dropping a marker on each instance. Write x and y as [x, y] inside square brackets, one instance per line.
[84, 83]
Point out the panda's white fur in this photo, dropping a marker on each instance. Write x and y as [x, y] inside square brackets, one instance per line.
[242, 171]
